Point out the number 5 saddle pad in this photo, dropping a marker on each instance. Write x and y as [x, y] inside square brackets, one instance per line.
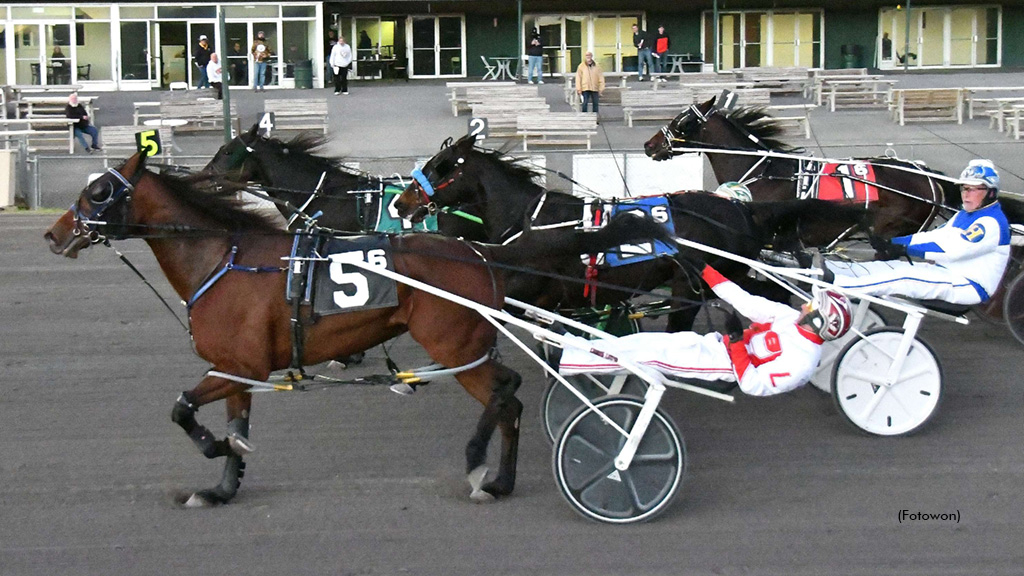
[343, 287]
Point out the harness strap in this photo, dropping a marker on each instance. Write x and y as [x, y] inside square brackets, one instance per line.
[219, 273]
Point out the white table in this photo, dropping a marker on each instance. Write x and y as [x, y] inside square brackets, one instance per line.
[172, 122]
[504, 66]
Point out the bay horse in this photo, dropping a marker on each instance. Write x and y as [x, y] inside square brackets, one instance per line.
[290, 171]
[908, 196]
[226, 262]
[502, 191]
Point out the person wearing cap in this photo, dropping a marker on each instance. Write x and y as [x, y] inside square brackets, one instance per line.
[202, 59]
[964, 259]
[779, 352]
[260, 57]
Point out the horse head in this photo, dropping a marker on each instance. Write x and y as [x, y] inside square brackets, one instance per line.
[234, 160]
[103, 210]
[684, 128]
[432, 186]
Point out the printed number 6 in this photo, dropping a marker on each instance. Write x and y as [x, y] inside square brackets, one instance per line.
[356, 279]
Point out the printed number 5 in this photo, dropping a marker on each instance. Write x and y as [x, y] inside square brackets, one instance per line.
[149, 143]
[361, 296]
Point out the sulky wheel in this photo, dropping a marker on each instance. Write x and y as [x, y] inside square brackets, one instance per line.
[558, 403]
[830, 350]
[877, 409]
[584, 455]
[1013, 307]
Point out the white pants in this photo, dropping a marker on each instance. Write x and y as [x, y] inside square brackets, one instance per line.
[920, 280]
[680, 354]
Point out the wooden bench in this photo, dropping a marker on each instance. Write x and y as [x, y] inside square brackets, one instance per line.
[145, 110]
[787, 80]
[201, 112]
[52, 106]
[502, 115]
[44, 133]
[984, 100]
[457, 92]
[299, 114]
[655, 105]
[928, 105]
[483, 94]
[858, 93]
[725, 79]
[556, 128]
[819, 77]
[119, 142]
[1013, 118]
[793, 116]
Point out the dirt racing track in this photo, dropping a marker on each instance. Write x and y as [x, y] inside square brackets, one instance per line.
[362, 481]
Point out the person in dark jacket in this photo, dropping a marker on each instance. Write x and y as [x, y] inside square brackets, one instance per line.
[202, 58]
[535, 57]
[642, 41]
[76, 111]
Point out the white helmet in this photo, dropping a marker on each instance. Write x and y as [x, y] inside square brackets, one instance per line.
[734, 191]
[982, 173]
[830, 315]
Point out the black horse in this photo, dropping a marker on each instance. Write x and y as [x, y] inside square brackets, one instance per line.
[503, 193]
[909, 195]
[291, 173]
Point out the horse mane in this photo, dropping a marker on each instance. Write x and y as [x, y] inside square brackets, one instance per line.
[757, 121]
[517, 169]
[305, 144]
[220, 205]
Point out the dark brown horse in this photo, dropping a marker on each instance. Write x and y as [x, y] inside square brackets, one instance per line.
[240, 321]
[909, 196]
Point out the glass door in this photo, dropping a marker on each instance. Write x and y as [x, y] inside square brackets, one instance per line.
[575, 42]
[42, 53]
[437, 46]
[140, 63]
[754, 24]
[961, 37]
[931, 36]
[607, 45]
[238, 43]
[730, 51]
[195, 30]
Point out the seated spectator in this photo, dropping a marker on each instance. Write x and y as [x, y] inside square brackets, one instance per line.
[76, 111]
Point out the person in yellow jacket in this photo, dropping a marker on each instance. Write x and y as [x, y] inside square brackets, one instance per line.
[589, 82]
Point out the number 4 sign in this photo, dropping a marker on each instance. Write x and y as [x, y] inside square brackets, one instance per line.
[266, 124]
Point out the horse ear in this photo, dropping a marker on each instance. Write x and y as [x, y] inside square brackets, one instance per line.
[726, 100]
[253, 131]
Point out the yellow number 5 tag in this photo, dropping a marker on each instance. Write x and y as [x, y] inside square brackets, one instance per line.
[148, 142]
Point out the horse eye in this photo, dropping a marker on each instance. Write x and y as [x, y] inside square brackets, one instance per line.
[102, 193]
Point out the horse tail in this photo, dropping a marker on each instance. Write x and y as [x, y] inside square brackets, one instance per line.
[554, 247]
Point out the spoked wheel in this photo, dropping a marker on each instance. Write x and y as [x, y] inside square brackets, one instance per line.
[558, 403]
[822, 378]
[1013, 307]
[863, 399]
[584, 463]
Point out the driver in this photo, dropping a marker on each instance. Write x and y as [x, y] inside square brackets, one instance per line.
[965, 257]
[776, 354]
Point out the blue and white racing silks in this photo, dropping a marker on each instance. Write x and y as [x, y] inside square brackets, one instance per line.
[974, 244]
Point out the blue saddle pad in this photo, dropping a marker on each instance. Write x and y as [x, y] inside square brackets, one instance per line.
[388, 221]
[656, 207]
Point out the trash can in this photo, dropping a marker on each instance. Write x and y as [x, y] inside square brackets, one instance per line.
[851, 55]
[303, 74]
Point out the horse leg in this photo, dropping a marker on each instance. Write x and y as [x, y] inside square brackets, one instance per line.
[502, 410]
[233, 447]
[682, 320]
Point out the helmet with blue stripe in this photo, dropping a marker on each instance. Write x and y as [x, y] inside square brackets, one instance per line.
[981, 173]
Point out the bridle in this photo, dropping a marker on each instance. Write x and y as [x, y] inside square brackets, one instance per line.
[88, 224]
[427, 190]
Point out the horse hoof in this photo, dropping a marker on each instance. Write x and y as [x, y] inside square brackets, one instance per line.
[240, 445]
[476, 478]
[197, 501]
[481, 496]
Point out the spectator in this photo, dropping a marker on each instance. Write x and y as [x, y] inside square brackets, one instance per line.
[535, 57]
[76, 111]
[260, 57]
[341, 60]
[642, 42]
[61, 67]
[332, 39]
[886, 46]
[589, 82]
[239, 65]
[364, 41]
[661, 44]
[213, 73]
[202, 58]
